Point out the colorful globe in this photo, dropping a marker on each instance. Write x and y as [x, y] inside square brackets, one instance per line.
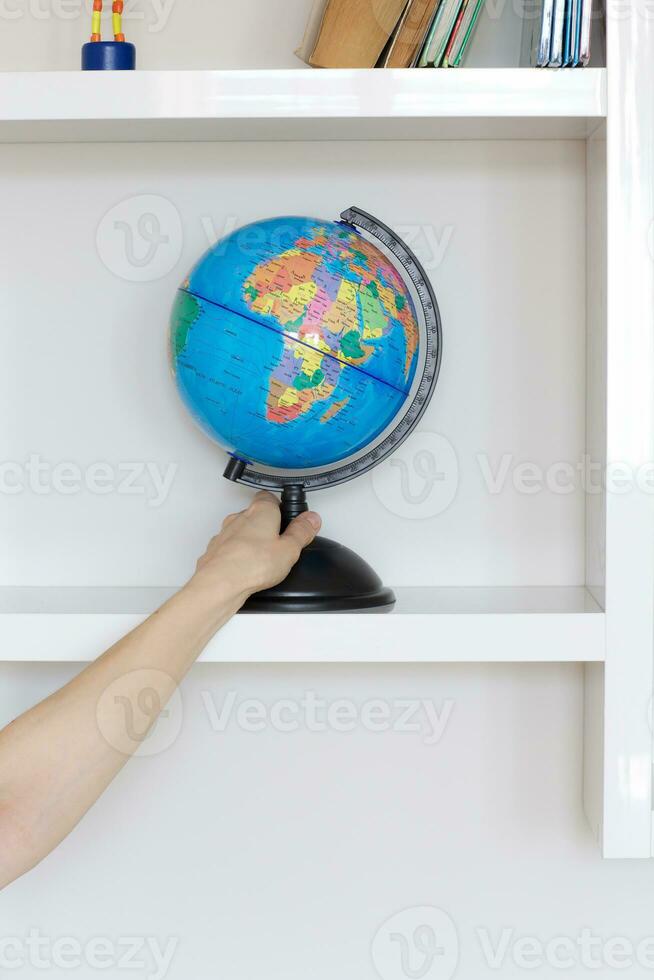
[294, 342]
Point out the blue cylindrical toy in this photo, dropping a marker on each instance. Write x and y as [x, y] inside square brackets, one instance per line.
[108, 56]
[116, 55]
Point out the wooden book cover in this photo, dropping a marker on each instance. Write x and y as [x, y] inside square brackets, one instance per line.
[353, 32]
[411, 33]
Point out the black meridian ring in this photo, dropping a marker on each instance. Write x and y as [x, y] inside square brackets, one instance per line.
[343, 471]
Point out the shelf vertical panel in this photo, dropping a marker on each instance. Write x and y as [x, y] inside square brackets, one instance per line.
[596, 362]
[596, 318]
[627, 792]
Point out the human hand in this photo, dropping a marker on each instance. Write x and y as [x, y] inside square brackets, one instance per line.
[249, 553]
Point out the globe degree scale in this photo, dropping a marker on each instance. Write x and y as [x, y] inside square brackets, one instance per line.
[308, 349]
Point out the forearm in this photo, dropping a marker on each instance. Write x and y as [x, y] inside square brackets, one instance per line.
[57, 758]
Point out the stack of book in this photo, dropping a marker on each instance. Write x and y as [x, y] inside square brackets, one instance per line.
[389, 33]
[556, 33]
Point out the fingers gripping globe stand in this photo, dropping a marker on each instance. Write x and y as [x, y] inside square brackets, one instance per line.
[329, 577]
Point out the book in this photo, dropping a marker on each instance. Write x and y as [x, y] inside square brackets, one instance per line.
[537, 33]
[353, 33]
[457, 24]
[582, 52]
[577, 36]
[410, 33]
[569, 32]
[556, 43]
[462, 34]
[439, 33]
[308, 42]
[421, 47]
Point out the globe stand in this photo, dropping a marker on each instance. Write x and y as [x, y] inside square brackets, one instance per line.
[328, 577]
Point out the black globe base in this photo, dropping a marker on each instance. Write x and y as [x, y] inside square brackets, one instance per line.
[328, 577]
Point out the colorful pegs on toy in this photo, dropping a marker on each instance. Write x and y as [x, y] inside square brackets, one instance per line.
[116, 55]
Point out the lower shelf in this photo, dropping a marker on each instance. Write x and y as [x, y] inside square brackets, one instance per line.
[428, 625]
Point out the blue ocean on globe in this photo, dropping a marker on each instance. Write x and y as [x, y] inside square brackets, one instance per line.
[294, 342]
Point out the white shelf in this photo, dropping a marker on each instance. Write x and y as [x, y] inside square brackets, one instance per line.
[429, 625]
[300, 104]
[592, 202]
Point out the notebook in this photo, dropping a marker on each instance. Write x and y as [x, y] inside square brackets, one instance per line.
[439, 33]
[570, 31]
[556, 44]
[410, 33]
[353, 33]
[462, 34]
[582, 49]
[537, 33]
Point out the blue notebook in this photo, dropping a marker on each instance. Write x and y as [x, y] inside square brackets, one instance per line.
[570, 32]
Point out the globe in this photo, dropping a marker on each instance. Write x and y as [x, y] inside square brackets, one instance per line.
[294, 342]
[309, 350]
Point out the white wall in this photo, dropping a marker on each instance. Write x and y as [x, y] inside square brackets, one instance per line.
[47, 34]
[279, 855]
[501, 229]
[271, 854]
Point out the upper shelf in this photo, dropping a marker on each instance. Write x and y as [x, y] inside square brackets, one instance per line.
[512, 103]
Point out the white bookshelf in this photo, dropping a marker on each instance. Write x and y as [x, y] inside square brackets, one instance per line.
[302, 104]
[544, 179]
[426, 626]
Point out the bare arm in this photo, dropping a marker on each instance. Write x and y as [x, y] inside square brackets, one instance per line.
[58, 757]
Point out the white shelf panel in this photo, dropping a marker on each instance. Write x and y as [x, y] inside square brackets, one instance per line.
[300, 104]
[431, 625]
